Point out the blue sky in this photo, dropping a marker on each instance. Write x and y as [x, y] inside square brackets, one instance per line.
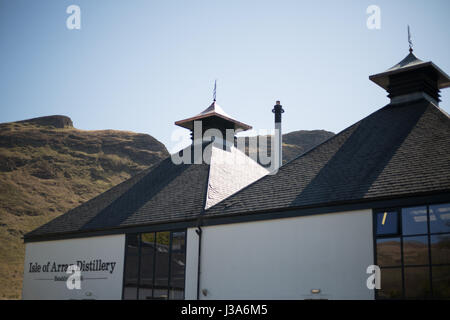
[141, 65]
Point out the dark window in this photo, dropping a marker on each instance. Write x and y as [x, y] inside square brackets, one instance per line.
[177, 265]
[440, 249]
[387, 223]
[441, 282]
[154, 265]
[391, 284]
[413, 252]
[414, 220]
[161, 286]
[131, 271]
[417, 282]
[389, 252]
[146, 269]
[440, 218]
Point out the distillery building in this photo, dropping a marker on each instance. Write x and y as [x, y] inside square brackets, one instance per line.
[375, 194]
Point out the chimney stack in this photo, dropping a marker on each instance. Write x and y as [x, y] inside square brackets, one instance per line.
[278, 110]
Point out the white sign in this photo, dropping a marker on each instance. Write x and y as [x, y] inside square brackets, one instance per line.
[87, 268]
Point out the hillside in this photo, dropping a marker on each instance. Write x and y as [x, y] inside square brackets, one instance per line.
[48, 167]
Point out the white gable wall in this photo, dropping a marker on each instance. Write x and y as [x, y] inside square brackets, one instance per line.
[284, 258]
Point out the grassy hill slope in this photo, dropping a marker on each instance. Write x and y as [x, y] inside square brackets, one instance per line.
[48, 167]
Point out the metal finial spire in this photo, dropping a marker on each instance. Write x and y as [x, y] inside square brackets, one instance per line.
[214, 92]
[409, 41]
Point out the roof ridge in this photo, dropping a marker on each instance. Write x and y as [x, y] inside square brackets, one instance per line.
[138, 177]
[441, 110]
[283, 166]
[337, 134]
[301, 155]
[287, 165]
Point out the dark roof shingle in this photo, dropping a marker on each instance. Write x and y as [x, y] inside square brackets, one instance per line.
[398, 150]
[166, 193]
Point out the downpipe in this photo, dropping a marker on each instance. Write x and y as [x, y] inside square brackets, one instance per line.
[199, 232]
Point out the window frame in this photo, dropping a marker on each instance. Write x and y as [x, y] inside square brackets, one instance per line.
[139, 236]
[399, 226]
[428, 235]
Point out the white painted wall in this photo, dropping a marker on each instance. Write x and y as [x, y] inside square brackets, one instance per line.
[106, 284]
[284, 258]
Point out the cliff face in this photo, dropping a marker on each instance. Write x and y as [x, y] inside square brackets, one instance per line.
[48, 167]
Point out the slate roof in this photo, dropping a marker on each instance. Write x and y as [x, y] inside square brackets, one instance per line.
[398, 150]
[214, 110]
[165, 193]
[408, 61]
[154, 195]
